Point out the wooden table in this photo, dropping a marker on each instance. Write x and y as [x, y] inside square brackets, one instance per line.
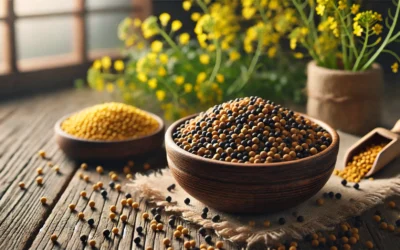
[26, 126]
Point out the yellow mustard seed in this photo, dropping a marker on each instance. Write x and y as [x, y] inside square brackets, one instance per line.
[153, 227]
[192, 243]
[352, 240]
[392, 204]
[84, 166]
[187, 245]
[39, 171]
[179, 228]
[43, 200]
[369, 244]
[210, 248]
[99, 169]
[166, 241]
[110, 122]
[160, 226]
[72, 207]
[21, 185]
[383, 225]
[126, 170]
[390, 228]
[124, 217]
[185, 231]
[50, 164]
[333, 248]
[113, 208]
[86, 178]
[129, 176]
[153, 221]
[42, 153]
[376, 218]
[112, 215]
[202, 245]
[111, 173]
[81, 215]
[320, 202]
[115, 230]
[56, 168]
[346, 247]
[170, 248]
[123, 202]
[83, 194]
[53, 237]
[130, 164]
[95, 187]
[39, 180]
[177, 234]
[92, 204]
[219, 244]
[92, 243]
[145, 215]
[129, 201]
[114, 177]
[80, 175]
[146, 166]
[267, 223]
[118, 187]
[135, 205]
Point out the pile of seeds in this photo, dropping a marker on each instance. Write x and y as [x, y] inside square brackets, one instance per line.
[110, 121]
[360, 164]
[251, 130]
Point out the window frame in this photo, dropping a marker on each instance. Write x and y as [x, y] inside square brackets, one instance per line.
[18, 76]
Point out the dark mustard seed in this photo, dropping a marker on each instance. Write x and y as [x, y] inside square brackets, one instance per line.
[153, 211]
[208, 239]
[128, 195]
[137, 240]
[216, 218]
[104, 193]
[300, 219]
[338, 196]
[83, 238]
[157, 217]
[139, 229]
[187, 201]
[202, 231]
[171, 222]
[204, 215]
[106, 233]
[111, 184]
[90, 222]
[344, 182]
[168, 199]
[205, 210]
[171, 187]
[281, 221]
[159, 210]
[356, 186]
[378, 212]
[331, 195]
[398, 222]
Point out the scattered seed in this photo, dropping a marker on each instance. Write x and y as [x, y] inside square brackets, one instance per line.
[315, 243]
[135, 205]
[42, 153]
[187, 201]
[99, 169]
[185, 231]
[146, 166]
[129, 176]
[216, 218]
[71, 207]
[39, 180]
[331, 195]
[124, 218]
[53, 238]
[392, 204]
[376, 218]
[177, 234]
[219, 244]
[168, 199]
[103, 193]
[115, 230]
[179, 228]
[390, 228]
[204, 215]
[56, 169]
[338, 196]
[43, 200]
[383, 225]
[369, 244]
[95, 187]
[100, 184]
[356, 186]
[92, 204]
[267, 223]
[21, 185]
[106, 233]
[90, 222]
[114, 177]
[320, 202]
[160, 226]
[171, 222]
[172, 186]
[300, 219]
[81, 215]
[166, 241]
[139, 229]
[39, 171]
[157, 217]
[202, 231]
[344, 182]
[137, 240]
[186, 245]
[129, 201]
[83, 238]
[153, 226]
[192, 243]
[83, 194]
[92, 243]
[145, 215]
[281, 221]
[86, 178]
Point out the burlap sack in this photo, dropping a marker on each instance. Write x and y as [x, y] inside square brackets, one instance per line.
[348, 101]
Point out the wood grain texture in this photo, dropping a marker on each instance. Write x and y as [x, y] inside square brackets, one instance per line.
[83, 149]
[235, 187]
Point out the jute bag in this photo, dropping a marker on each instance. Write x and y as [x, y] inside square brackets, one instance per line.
[348, 101]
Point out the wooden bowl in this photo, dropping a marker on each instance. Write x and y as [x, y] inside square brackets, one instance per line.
[251, 188]
[83, 149]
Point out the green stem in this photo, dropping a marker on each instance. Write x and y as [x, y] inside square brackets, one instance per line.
[355, 67]
[392, 53]
[202, 6]
[169, 40]
[394, 37]
[217, 61]
[385, 42]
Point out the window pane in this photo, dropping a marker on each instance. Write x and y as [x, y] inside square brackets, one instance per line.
[44, 37]
[102, 30]
[99, 4]
[23, 7]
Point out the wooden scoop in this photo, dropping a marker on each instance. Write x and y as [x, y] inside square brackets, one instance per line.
[378, 136]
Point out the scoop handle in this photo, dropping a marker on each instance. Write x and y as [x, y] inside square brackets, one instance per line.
[396, 127]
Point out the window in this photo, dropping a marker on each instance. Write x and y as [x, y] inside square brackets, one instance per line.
[47, 42]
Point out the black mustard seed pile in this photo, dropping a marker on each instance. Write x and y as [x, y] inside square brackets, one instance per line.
[251, 130]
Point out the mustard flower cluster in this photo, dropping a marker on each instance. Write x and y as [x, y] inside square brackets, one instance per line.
[221, 59]
[344, 37]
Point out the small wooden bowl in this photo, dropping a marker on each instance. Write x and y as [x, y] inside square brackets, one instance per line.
[83, 149]
[251, 188]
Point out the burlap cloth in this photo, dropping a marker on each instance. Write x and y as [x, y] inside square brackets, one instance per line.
[236, 227]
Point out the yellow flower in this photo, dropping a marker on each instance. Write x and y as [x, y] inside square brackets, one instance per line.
[97, 64]
[273, 5]
[395, 67]
[377, 29]
[204, 59]
[129, 41]
[140, 45]
[298, 55]
[271, 52]
[211, 47]
[188, 87]
[119, 65]
[137, 22]
[247, 3]
[195, 16]
[201, 77]
[184, 38]
[377, 16]
[176, 25]
[234, 56]
[355, 8]
[293, 43]
[164, 58]
[142, 77]
[202, 38]
[161, 71]
[160, 95]
[164, 19]
[99, 84]
[186, 5]
[152, 83]
[320, 9]
[150, 27]
[225, 45]
[106, 62]
[220, 78]
[156, 46]
[179, 80]
[121, 83]
[342, 5]
[357, 30]
[248, 12]
[110, 87]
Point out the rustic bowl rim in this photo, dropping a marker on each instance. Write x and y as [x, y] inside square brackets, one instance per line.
[169, 142]
[61, 132]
